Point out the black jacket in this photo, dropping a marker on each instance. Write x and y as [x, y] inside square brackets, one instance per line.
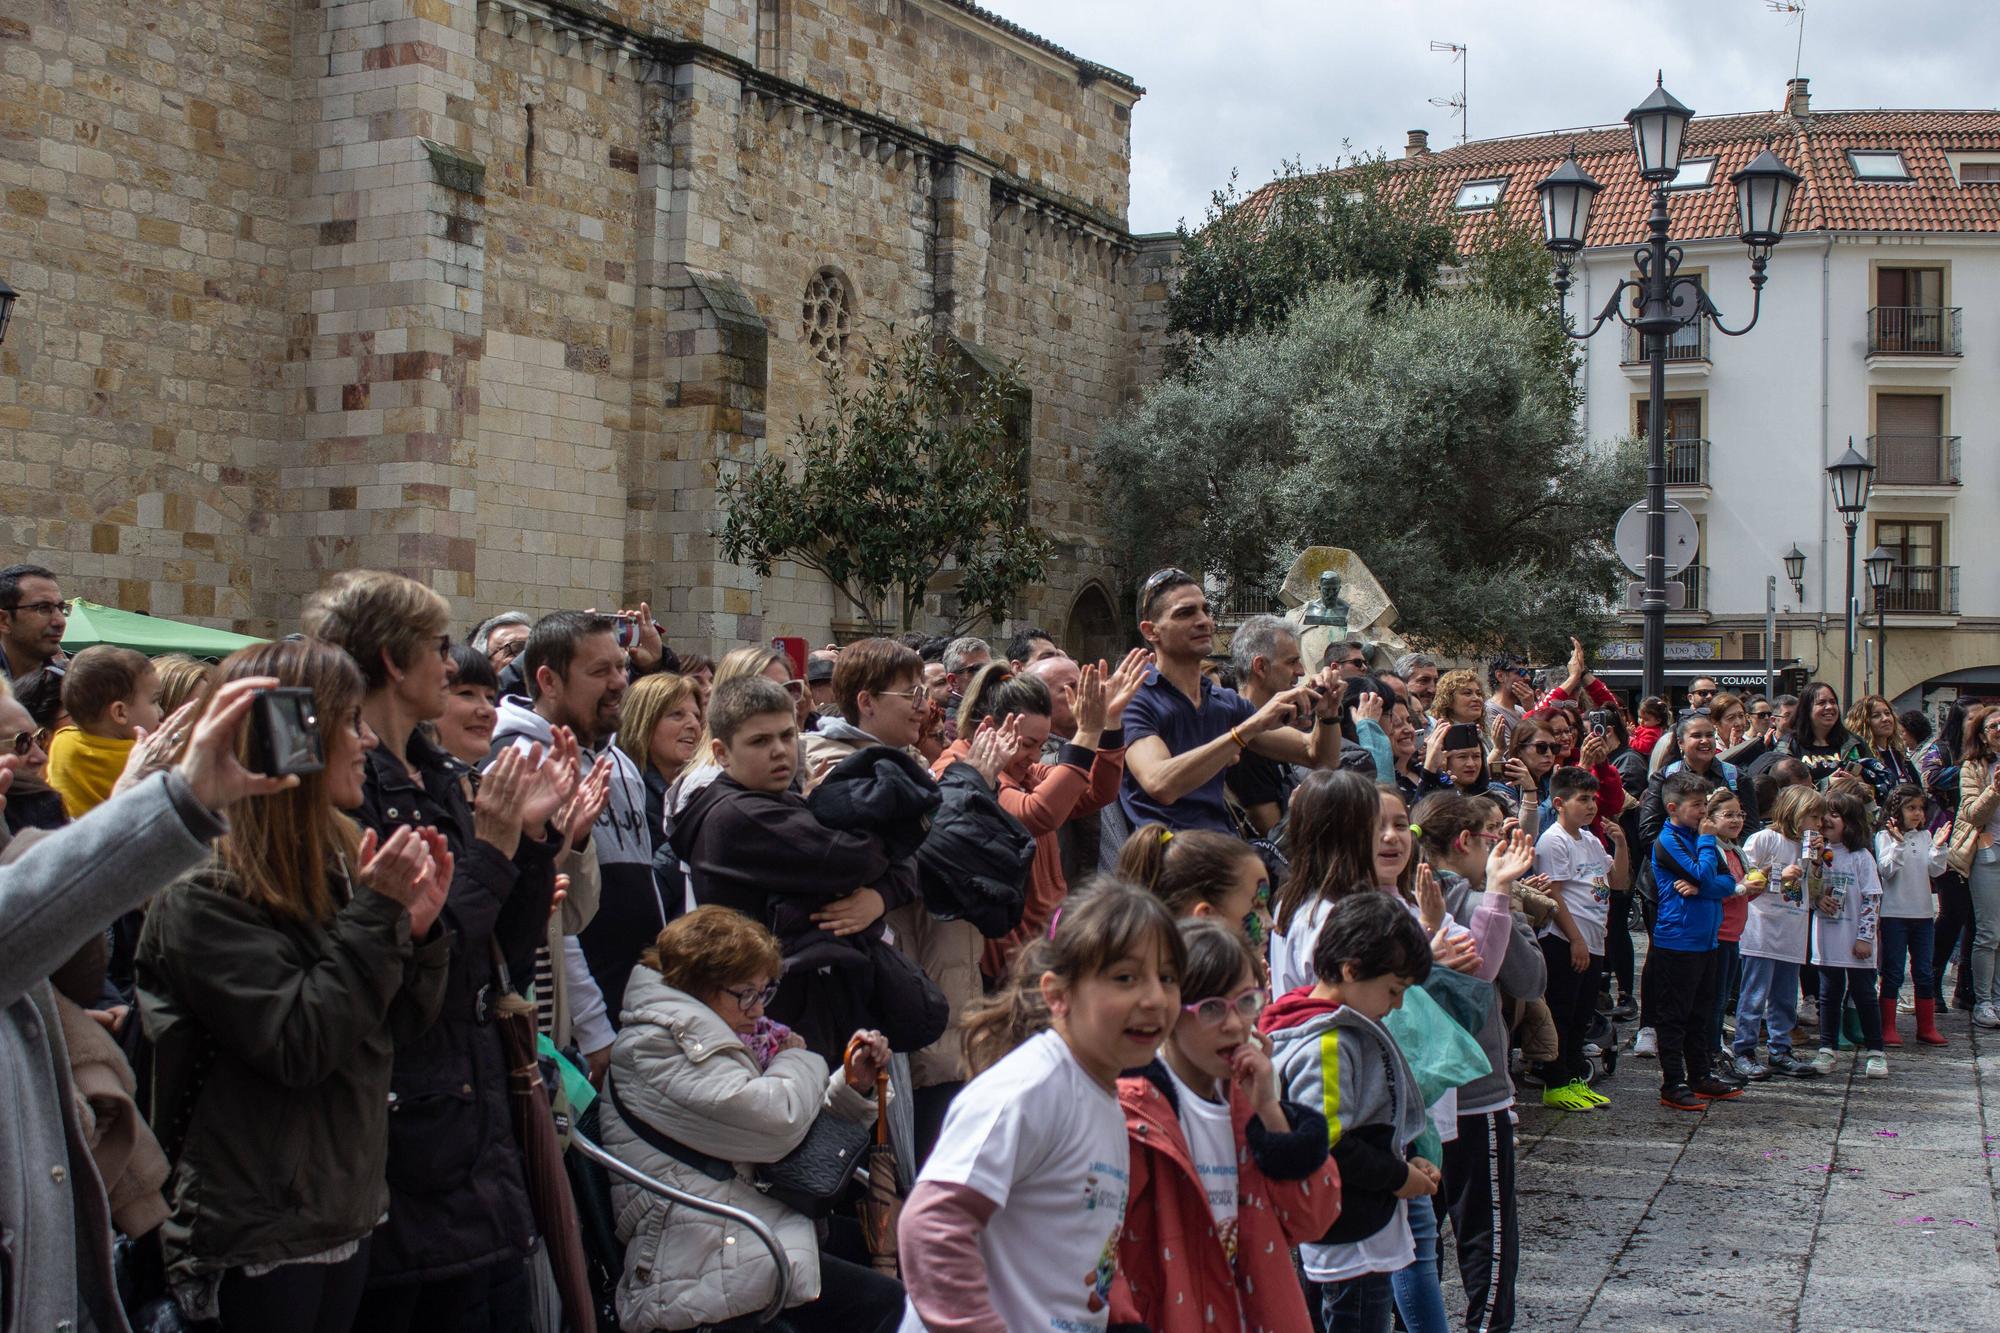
[764, 854]
[879, 790]
[458, 1189]
[274, 1040]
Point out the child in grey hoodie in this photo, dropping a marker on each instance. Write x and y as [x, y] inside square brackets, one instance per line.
[1331, 1052]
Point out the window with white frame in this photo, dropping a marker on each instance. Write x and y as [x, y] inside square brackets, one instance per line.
[1877, 164]
[1480, 194]
[1696, 173]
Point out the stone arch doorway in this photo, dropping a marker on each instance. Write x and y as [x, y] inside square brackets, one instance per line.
[1092, 632]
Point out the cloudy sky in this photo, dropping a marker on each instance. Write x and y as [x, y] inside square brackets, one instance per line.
[1248, 83]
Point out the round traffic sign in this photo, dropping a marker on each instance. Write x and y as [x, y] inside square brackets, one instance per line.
[1683, 539]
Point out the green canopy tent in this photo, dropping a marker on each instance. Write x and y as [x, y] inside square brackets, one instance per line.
[91, 623]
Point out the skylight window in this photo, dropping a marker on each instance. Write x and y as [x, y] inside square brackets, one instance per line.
[1480, 194]
[1696, 173]
[1878, 165]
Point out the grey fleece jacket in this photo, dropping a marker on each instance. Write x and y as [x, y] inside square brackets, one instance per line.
[1523, 975]
[55, 1227]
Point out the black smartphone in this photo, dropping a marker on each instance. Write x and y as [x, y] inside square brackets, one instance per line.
[284, 732]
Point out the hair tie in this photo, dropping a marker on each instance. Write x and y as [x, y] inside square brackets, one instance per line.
[1166, 836]
[1417, 830]
[1054, 921]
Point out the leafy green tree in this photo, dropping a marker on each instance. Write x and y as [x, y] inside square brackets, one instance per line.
[1430, 437]
[921, 471]
[1243, 268]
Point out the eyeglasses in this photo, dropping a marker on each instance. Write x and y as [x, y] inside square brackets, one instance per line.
[502, 653]
[23, 742]
[1701, 694]
[1543, 747]
[913, 696]
[1358, 663]
[47, 608]
[752, 999]
[795, 687]
[1247, 1003]
[1760, 712]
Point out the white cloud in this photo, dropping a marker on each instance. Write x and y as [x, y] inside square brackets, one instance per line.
[1249, 83]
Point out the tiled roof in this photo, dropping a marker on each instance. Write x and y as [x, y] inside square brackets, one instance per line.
[1090, 67]
[1815, 146]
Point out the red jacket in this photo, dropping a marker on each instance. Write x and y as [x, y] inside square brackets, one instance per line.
[1173, 1273]
[1050, 796]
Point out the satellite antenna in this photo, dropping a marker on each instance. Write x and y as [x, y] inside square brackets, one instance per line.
[1786, 7]
[1458, 103]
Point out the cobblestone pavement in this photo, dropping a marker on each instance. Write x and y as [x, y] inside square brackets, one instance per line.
[1837, 1203]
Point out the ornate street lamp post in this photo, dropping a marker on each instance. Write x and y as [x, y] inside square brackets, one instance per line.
[1849, 476]
[1795, 570]
[1881, 563]
[1663, 300]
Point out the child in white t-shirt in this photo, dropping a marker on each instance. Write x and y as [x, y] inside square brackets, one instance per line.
[1843, 934]
[1014, 1220]
[1775, 933]
[1582, 875]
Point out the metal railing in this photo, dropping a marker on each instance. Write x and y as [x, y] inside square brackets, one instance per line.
[1924, 589]
[1695, 579]
[1687, 462]
[1689, 342]
[1242, 603]
[1914, 460]
[1915, 330]
[781, 1290]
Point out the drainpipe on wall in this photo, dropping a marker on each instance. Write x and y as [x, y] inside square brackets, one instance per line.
[1826, 433]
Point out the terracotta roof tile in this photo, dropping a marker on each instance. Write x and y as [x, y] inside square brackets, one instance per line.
[1816, 146]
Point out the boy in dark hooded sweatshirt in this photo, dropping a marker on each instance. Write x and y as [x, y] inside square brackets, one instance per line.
[1331, 1053]
[752, 844]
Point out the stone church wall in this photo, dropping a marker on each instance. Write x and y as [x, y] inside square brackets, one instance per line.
[490, 292]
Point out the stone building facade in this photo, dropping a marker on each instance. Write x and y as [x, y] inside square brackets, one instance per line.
[489, 291]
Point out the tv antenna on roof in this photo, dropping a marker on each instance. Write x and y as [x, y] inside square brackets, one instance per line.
[1788, 8]
[1458, 103]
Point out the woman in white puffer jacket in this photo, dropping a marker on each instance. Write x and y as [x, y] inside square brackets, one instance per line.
[696, 1061]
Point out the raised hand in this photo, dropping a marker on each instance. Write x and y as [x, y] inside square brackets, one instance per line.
[397, 869]
[155, 751]
[646, 649]
[993, 748]
[496, 810]
[579, 814]
[1092, 705]
[1577, 664]
[1430, 898]
[1512, 857]
[210, 766]
[1122, 686]
[1368, 708]
[433, 882]
[550, 784]
[1283, 707]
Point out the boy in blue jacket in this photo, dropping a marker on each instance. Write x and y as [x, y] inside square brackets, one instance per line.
[1681, 969]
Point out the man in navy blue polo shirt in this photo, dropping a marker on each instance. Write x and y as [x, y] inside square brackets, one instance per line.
[1182, 732]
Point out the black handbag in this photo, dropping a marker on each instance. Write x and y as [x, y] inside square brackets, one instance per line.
[810, 1179]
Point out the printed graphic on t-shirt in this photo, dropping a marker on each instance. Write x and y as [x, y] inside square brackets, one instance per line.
[1104, 1188]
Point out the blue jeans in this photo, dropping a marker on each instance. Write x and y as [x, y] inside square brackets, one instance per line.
[1914, 937]
[1363, 1304]
[1769, 1005]
[1418, 1290]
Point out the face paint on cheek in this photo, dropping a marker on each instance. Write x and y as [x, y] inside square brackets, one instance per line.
[1253, 930]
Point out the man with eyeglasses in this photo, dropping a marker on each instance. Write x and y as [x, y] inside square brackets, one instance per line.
[1347, 656]
[1700, 695]
[33, 616]
[1183, 733]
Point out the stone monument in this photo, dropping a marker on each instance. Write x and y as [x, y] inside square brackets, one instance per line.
[1349, 603]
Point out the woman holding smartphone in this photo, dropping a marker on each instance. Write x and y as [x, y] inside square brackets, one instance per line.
[275, 984]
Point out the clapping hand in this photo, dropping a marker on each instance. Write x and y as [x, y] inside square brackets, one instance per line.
[993, 747]
[1090, 704]
[155, 751]
[1458, 953]
[1512, 857]
[579, 814]
[1430, 898]
[1123, 685]
[549, 785]
[496, 810]
[413, 868]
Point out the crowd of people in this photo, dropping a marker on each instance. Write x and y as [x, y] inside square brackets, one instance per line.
[1182, 992]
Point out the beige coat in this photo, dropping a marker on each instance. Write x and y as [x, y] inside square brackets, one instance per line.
[680, 1068]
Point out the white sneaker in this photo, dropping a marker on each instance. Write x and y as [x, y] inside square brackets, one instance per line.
[1647, 1044]
[1874, 1065]
[1592, 1049]
[1823, 1062]
[1986, 1014]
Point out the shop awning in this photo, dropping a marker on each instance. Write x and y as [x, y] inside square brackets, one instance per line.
[1736, 674]
[91, 623]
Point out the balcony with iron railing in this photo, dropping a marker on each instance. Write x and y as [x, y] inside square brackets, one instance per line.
[1915, 460]
[1695, 580]
[1687, 350]
[1923, 590]
[1692, 605]
[1687, 463]
[1925, 332]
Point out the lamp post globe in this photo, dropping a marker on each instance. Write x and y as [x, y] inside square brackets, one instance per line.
[1849, 476]
[1764, 191]
[1659, 129]
[1795, 569]
[1566, 195]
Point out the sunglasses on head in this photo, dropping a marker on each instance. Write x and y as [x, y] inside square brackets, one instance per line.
[1159, 579]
